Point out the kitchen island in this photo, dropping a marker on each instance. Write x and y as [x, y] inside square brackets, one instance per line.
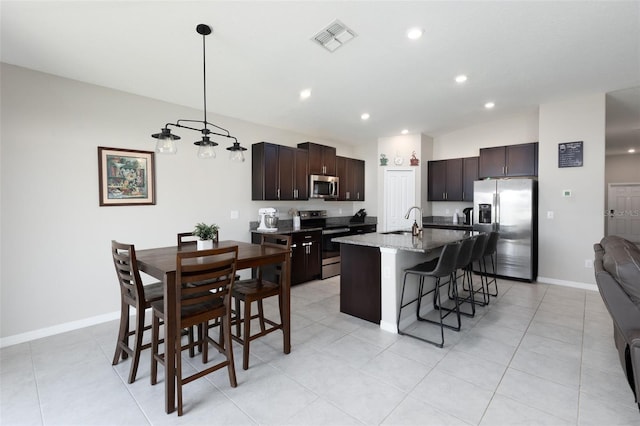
[372, 271]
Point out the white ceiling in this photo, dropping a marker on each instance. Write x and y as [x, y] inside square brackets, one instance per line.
[260, 56]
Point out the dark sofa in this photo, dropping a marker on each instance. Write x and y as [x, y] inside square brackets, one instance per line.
[617, 270]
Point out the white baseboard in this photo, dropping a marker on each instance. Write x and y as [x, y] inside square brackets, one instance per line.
[57, 329]
[575, 284]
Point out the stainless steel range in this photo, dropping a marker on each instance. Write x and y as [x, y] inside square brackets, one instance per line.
[330, 229]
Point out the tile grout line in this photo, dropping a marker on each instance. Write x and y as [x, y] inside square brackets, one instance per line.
[35, 380]
[514, 354]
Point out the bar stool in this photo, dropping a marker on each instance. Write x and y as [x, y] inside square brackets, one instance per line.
[490, 253]
[462, 264]
[467, 283]
[438, 268]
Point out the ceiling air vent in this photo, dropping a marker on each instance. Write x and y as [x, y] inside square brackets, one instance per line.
[334, 35]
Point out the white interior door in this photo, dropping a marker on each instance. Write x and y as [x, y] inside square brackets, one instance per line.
[399, 195]
[624, 211]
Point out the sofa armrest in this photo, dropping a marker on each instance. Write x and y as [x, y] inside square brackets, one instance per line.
[626, 318]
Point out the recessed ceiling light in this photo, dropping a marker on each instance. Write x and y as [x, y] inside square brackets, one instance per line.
[404, 132]
[365, 116]
[415, 33]
[461, 78]
[305, 93]
[631, 151]
[489, 105]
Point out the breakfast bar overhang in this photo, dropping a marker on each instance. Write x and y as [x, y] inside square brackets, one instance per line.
[373, 266]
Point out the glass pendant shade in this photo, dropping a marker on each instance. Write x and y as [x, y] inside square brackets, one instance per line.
[236, 152]
[166, 145]
[205, 148]
[236, 156]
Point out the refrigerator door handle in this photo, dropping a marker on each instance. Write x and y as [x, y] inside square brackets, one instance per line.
[496, 203]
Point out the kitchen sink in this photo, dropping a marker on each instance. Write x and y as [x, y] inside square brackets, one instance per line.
[401, 232]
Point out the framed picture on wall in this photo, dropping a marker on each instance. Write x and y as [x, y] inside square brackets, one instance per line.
[126, 177]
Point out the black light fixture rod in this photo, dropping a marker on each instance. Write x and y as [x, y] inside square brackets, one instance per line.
[204, 71]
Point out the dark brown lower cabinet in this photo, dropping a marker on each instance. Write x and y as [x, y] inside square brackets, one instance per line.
[360, 290]
[306, 252]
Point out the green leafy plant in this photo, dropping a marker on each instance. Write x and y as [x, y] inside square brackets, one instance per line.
[206, 232]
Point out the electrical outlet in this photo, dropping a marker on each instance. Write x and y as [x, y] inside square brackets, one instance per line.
[549, 214]
[588, 263]
[235, 214]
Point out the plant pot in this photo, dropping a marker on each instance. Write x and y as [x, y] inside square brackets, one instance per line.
[204, 244]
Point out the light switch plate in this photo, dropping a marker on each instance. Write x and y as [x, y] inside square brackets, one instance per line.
[549, 214]
[234, 214]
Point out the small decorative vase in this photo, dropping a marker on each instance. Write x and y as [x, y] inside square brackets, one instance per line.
[204, 244]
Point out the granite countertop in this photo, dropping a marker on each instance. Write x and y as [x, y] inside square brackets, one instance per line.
[431, 239]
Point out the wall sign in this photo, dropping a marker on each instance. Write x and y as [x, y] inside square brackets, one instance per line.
[570, 154]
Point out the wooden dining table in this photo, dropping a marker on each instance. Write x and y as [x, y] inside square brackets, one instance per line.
[160, 263]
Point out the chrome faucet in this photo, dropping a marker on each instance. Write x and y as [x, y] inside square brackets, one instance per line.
[416, 229]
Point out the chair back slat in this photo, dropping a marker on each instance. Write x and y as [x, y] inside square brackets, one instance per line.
[126, 265]
[212, 270]
[186, 239]
[274, 272]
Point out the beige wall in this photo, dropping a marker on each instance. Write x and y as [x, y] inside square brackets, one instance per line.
[566, 241]
[56, 271]
[466, 142]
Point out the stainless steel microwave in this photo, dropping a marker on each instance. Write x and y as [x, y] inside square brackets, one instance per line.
[323, 186]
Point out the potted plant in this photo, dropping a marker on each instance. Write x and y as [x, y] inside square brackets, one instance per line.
[206, 235]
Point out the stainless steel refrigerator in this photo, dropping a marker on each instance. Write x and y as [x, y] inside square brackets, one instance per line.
[510, 207]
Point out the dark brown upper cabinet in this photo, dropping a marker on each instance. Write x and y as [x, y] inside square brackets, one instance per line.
[509, 161]
[469, 175]
[278, 172]
[322, 159]
[452, 180]
[351, 174]
[444, 180]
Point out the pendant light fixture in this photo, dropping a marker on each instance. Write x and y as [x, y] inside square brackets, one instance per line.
[166, 140]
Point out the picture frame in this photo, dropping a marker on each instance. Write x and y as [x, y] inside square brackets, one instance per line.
[126, 177]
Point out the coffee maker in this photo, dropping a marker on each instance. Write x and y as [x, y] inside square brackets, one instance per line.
[468, 215]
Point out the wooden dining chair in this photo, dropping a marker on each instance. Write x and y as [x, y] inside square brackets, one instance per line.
[186, 239]
[268, 283]
[132, 294]
[214, 271]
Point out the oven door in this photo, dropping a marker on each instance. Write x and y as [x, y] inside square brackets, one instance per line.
[331, 251]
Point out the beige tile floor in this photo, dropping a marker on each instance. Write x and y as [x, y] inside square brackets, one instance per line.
[539, 354]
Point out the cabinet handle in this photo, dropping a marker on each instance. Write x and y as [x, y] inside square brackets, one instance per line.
[444, 196]
[506, 170]
[502, 169]
[278, 194]
[295, 193]
[348, 195]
